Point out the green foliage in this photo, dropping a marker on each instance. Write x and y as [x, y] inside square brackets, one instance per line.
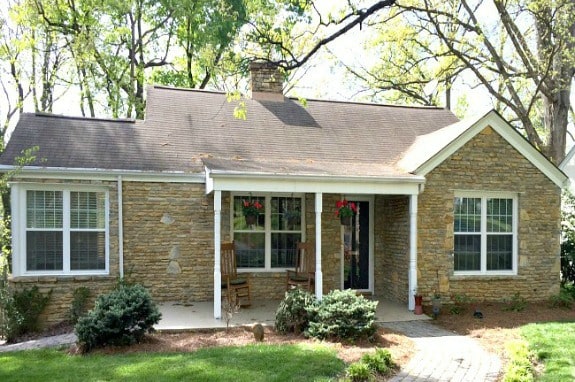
[460, 304]
[343, 315]
[30, 303]
[79, 302]
[19, 310]
[520, 367]
[358, 371]
[516, 303]
[562, 300]
[121, 317]
[292, 314]
[10, 319]
[380, 362]
[567, 238]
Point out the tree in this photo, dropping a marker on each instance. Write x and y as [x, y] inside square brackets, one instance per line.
[521, 51]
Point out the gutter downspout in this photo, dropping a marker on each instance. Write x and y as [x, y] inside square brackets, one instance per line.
[120, 228]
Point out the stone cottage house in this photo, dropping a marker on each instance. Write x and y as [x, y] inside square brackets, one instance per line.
[444, 206]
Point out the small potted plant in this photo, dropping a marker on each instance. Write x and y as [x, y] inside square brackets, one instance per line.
[251, 211]
[345, 211]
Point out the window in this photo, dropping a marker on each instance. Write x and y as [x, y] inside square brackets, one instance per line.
[267, 242]
[485, 234]
[63, 231]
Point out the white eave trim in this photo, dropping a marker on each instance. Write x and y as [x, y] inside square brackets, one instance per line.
[497, 123]
[37, 172]
[263, 182]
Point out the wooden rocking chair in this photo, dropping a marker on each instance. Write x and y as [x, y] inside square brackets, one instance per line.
[237, 286]
[304, 274]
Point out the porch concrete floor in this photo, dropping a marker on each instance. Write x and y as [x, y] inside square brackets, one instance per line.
[200, 315]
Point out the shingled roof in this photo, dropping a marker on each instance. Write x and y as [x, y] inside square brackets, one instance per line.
[185, 130]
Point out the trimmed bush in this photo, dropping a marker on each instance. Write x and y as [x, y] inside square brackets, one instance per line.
[121, 317]
[292, 315]
[342, 315]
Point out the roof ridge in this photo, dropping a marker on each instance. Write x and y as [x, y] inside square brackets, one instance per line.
[293, 98]
[84, 118]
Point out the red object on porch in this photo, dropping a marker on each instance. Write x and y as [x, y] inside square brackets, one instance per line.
[418, 304]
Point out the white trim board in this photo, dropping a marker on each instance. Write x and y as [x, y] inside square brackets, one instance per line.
[507, 132]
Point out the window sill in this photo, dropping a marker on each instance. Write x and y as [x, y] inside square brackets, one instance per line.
[60, 278]
[486, 277]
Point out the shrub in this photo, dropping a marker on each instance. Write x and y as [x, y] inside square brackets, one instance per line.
[121, 317]
[343, 315]
[292, 315]
[379, 362]
[358, 371]
[79, 302]
[460, 304]
[29, 303]
[516, 303]
[10, 318]
[562, 300]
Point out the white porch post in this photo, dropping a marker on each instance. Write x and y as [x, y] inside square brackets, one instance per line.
[318, 273]
[412, 250]
[217, 254]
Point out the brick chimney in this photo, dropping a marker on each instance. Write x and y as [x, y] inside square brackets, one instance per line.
[267, 82]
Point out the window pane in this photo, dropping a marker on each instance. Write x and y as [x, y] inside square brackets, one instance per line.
[87, 210]
[467, 215]
[284, 249]
[44, 209]
[87, 251]
[467, 254]
[499, 215]
[44, 251]
[286, 214]
[250, 249]
[240, 222]
[499, 252]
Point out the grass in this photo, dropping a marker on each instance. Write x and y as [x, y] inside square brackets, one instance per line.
[552, 345]
[246, 363]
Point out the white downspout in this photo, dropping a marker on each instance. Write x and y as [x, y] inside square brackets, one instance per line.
[412, 251]
[217, 254]
[120, 228]
[318, 273]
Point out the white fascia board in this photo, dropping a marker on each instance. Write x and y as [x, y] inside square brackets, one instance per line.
[495, 121]
[34, 172]
[302, 184]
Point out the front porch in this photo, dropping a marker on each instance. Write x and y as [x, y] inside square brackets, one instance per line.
[200, 315]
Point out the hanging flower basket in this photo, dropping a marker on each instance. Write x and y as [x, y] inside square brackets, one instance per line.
[345, 211]
[251, 219]
[345, 220]
[251, 211]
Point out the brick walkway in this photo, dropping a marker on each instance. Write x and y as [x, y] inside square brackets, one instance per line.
[63, 339]
[444, 356]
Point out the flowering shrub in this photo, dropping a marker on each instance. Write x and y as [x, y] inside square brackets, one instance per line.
[251, 208]
[345, 208]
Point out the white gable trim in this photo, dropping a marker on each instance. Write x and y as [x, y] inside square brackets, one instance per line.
[250, 182]
[497, 123]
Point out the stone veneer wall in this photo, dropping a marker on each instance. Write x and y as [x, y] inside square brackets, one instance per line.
[489, 163]
[63, 287]
[392, 247]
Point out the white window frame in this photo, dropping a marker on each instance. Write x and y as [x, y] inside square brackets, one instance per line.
[483, 260]
[19, 250]
[267, 227]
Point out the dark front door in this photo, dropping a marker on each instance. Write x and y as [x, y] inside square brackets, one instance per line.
[356, 250]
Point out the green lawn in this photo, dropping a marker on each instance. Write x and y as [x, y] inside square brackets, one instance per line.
[247, 363]
[553, 344]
